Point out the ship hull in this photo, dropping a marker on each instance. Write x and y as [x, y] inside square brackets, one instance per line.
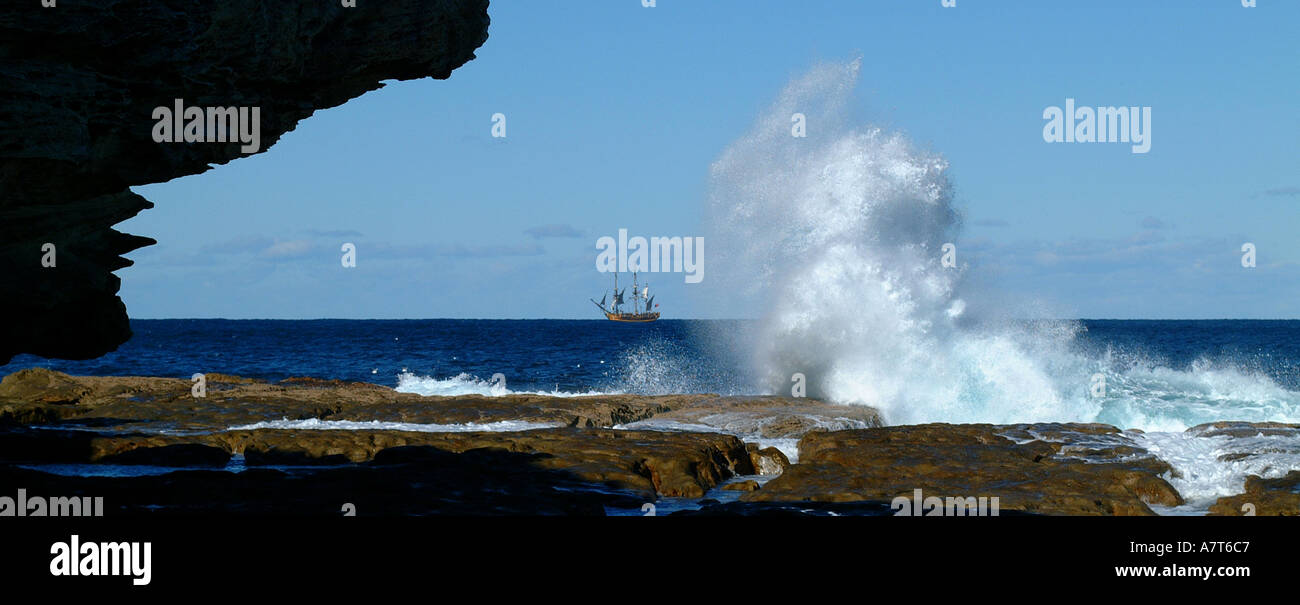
[634, 318]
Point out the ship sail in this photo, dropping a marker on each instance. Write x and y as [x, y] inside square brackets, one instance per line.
[643, 303]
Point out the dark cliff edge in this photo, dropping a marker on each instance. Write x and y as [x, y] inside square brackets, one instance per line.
[79, 83]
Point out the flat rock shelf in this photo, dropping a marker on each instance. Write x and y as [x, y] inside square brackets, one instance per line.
[311, 447]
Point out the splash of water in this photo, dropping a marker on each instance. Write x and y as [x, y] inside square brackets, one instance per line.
[841, 234]
[466, 384]
[659, 366]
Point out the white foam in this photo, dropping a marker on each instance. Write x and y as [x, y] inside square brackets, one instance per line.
[842, 233]
[789, 447]
[1203, 476]
[503, 426]
[1157, 398]
[466, 384]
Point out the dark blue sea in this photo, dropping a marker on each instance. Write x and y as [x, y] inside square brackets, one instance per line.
[1163, 377]
[533, 355]
[588, 355]
[451, 356]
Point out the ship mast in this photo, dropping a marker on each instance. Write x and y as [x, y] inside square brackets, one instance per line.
[640, 313]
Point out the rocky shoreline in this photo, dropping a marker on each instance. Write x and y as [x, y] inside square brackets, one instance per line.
[304, 447]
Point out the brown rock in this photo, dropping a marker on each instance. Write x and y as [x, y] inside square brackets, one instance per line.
[963, 461]
[176, 455]
[240, 401]
[771, 417]
[1263, 497]
[767, 461]
[673, 464]
[1244, 429]
[216, 377]
[1040, 475]
[42, 386]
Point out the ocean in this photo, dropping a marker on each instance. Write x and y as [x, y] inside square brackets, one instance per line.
[1161, 377]
[1161, 374]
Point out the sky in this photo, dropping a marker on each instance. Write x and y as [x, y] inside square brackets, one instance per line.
[615, 111]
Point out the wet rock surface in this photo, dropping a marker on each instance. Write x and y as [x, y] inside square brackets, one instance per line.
[964, 461]
[780, 417]
[1272, 497]
[40, 395]
[254, 447]
[49, 418]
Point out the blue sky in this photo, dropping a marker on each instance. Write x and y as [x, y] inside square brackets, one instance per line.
[615, 112]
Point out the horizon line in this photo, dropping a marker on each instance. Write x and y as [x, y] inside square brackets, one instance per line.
[670, 319]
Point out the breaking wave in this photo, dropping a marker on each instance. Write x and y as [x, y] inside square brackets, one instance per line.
[466, 384]
[842, 234]
[379, 425]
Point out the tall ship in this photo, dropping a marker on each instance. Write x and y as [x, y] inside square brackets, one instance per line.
[615, 311]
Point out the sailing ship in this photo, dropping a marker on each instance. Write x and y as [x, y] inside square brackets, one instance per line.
[640, 313]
